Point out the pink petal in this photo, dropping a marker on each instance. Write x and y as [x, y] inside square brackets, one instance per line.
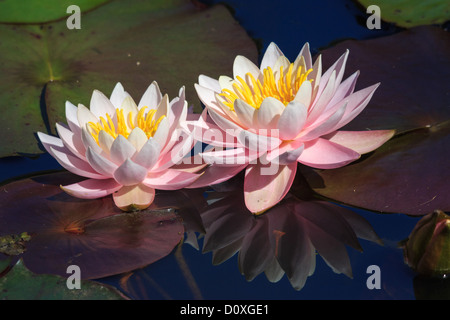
[266, 184]
[288, 152]
[328, 125]
[92, 188]
[216, 174]
[361, 141]
[236, 156]
[130, 198]
[100, 164]
[170, 179]
[130, 173]
[72, 142]
[148, 155]
[72, 118]
[292, 120]
[65, 158]
[324, 154]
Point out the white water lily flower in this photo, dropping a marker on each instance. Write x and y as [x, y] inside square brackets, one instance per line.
[124, 149]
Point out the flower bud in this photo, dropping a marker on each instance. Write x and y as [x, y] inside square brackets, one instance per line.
[427, 249]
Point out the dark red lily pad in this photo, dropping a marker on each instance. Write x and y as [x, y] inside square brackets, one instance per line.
[93, 234]
[410, 173]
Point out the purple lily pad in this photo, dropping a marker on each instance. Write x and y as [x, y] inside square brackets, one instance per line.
[410, 173]
[93, 234]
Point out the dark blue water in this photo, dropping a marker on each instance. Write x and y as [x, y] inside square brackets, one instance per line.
[190, 274]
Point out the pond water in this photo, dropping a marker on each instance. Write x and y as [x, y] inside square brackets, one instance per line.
[189, 273]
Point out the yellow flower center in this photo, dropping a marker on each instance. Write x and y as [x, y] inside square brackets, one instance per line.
[255, 91]
[142, 121]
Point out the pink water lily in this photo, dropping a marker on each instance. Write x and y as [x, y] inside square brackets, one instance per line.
[267, 119]
[124, 149]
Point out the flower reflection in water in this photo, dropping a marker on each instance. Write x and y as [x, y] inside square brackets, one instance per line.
[285, 239]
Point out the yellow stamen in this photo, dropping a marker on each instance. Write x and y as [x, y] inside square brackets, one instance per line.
[144, 121]
[254, 91]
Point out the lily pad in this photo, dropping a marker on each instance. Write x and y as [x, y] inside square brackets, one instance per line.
[411, 13]
[410, 173]
[132, 42]
[92, 234]
[35, 11]
[21, 284]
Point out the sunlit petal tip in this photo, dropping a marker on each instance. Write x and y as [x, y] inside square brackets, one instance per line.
[134, 198]
[91, 188]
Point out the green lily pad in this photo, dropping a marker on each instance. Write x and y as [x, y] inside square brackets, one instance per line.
[410, 173]
[132, 42]
[94, 235]
[411, 13]
[21, 284]
[35, 11]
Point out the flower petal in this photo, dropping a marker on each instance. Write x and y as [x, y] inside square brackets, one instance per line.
[92, 188]
[292, 120]
[121, 149]
[84, 116]
[209, 83]
[152, 97]
[72, 118]
[72, 142]
[216, 174]
[266, 184]
[148, 155]
[245, 113]
[130, 198]
[100, 105]
[130, 173]
[118, 95]
[100, 164]
[170, 179]
[270, 56]
[137, 138]
[361, 141]
[268, 113]
[105, 141]
[324, 154]
[242, 66]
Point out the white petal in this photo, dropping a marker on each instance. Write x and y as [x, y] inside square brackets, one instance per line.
[100, 164]
[292, 120]
[208, 82]
[245, 113]
[84, 116]
[129, 106]
[271, 56]
[162, 133]
[105, 141]
[100, 105]
[148, 155]
[118, 95]
[89, 141]
[242, 66]
[268, 113]
[121, 149]
[304, 94]
[151, 97]
[130, 173]
[137, 138]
